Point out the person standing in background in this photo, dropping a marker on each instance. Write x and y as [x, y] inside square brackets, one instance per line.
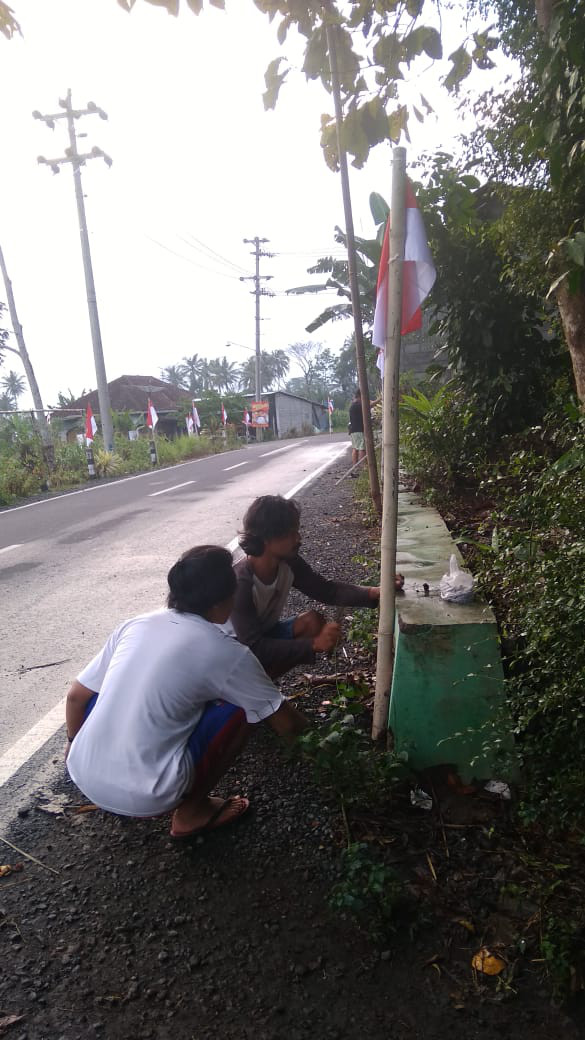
[356, 425]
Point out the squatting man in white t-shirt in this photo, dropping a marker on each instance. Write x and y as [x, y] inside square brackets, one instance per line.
[159, 715]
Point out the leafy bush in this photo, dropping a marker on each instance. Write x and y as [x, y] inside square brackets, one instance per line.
[533, 572]
[369, 891]
[443, 440]
[344, 761]
[107, 463]
[16, 481]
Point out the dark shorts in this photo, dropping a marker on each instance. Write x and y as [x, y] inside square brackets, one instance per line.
[216, 728]
[282, 629]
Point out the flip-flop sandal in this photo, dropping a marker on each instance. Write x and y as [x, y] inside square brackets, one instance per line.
[215, 821]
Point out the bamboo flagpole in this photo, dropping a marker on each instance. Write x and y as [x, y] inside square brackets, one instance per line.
[390, 445]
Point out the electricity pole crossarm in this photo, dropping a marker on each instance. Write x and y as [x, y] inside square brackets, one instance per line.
[77, 160]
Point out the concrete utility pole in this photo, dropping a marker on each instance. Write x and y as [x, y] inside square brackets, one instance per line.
[258, 292]
[77, 160]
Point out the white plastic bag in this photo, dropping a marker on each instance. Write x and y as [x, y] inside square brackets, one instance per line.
[457, 585]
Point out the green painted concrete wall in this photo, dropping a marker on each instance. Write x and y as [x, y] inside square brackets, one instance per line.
[447, 685]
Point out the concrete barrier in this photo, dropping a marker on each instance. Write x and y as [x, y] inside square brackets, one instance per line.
[447, 695]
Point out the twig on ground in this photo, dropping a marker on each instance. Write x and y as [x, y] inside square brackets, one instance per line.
[28, 856]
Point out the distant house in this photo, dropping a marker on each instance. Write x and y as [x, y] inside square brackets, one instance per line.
[289, 414]
[130, 394]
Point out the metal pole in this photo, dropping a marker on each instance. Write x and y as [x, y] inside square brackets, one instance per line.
[353, 280]
[258, 382]
[390, 438]
[96, 337]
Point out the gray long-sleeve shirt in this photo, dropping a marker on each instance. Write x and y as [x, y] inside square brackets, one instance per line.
[282, 654]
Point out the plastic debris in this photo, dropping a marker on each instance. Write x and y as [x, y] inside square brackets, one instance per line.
[487, 962]
[457, 585]
[500, 788]
[420, 799]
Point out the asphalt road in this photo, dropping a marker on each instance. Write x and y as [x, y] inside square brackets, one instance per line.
[72, 567]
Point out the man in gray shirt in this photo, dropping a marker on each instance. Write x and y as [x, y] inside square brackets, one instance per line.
[272, 566]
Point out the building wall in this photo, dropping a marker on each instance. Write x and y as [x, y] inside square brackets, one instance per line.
[293, 413]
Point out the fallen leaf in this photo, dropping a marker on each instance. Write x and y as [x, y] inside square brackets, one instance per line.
[85, 808]
[10, 1020]
[488, 963]
[5, 869]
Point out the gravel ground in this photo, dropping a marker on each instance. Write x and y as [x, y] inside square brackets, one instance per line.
[231, 936]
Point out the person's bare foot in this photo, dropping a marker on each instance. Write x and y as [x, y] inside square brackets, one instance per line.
[209, 814]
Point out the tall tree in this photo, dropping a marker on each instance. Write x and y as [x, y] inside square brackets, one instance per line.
[21, 350]
[192, 373]
[174, 374]
[534, 134]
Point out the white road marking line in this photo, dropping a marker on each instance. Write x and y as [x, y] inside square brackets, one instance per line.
[287, 447]
[315, 473]
[45, 728]
[153, 494]
[237, 466]
[7, 548]
[30, 742]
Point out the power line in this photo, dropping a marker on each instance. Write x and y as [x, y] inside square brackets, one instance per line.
[180, 256]
[213, 253]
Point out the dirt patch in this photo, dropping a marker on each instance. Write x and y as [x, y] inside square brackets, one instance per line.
[232, 936]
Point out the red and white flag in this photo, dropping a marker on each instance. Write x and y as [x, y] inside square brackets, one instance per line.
[151, 416]
[246, 419]
[90, 426]
[196, 419]
[418, 277]
[330, 406]
[224, 415]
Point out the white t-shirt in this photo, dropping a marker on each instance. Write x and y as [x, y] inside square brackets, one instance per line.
[154, 677]
[269, 600]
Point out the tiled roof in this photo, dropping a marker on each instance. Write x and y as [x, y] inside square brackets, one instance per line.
[131, 393]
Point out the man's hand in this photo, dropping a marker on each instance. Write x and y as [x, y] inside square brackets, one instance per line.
[328, 637]
[374, 590]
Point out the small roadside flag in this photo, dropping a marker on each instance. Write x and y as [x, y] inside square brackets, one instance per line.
[190, 425]
[90, 425]
[418, 278]
[224, 415]
[330, 406]
[196, 418]
[151, 416]
[246, 419]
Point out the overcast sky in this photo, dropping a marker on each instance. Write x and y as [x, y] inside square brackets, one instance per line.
[197, 166]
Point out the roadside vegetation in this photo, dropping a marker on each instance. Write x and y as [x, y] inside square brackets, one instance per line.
[23, 467]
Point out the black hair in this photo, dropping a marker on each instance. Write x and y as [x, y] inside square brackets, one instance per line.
[270, 516]
[202, 577]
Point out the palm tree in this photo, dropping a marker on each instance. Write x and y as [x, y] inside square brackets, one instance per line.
[6, 403]
[280, 365]
[14, 385]
[229, 373]
[192, 367]
[174, 374]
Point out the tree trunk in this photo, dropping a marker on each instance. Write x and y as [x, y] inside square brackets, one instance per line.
[43, 428]
[353, 282]
[572, 310]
